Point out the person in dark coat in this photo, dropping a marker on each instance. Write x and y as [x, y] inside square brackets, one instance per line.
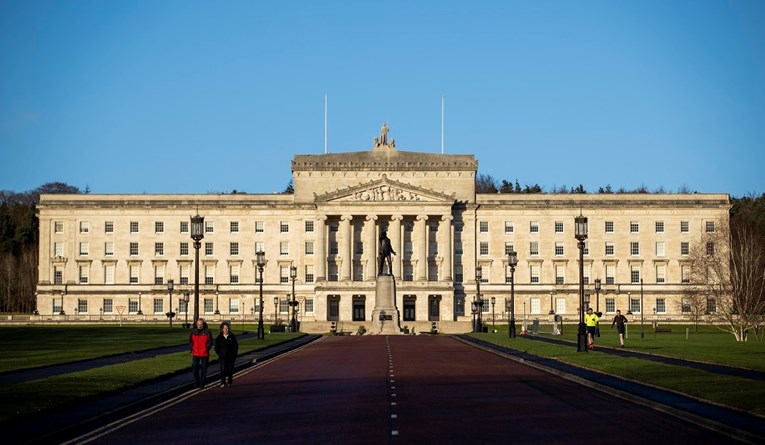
[201, 341]
[227, 348]
[619, 320]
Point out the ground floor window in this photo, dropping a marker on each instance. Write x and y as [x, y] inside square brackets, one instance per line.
[309, 305]
[82, 306]
[158, 306]
[610, 305]
[459, 305]
[359, 308]
[711, 306]
[409, 307]
[536, 307]
[635, 305]
[108, 305]
[560, 305]
[58, 305]
[233, 306]
[333, 307]
[661, 306]
[434, 307]
[133, 306]
[208, 306]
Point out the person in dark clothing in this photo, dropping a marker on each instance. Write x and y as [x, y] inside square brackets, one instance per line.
[619, 320]
[227, 349]
[201, 341]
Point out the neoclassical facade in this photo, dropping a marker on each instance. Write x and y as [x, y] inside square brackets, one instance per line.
[111, 256]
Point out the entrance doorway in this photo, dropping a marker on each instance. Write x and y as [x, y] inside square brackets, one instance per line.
[359, 307]
[409, 307]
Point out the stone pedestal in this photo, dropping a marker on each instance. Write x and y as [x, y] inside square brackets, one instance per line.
[385, 319]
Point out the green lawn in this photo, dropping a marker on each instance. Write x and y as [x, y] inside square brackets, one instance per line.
[60, 390]
[711, 345]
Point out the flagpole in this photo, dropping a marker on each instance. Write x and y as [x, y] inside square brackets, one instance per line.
[442, 124]
[325, 124]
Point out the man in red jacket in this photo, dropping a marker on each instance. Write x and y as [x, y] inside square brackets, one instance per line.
[201, 341]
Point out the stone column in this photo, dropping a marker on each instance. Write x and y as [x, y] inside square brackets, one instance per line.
[370, 248]
[321, 248]
[445, 246]
[421, 235]
[394, 233]
[346, 247]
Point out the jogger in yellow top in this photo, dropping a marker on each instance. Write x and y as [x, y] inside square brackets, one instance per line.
[591, 320]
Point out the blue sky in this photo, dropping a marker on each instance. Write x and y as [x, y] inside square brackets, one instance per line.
[197, 97]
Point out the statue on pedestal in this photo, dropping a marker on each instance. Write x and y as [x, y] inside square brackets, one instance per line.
[386, 250]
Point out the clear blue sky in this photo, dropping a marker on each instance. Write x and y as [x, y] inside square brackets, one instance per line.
[197, 97]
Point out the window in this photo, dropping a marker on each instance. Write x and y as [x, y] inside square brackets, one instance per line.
[333, 249]
[259, 227]
[609, 227]
[661, 274]
[586, 273]
[408, 226]
[485, 272]
[208, 306]
[634, 248]
[685, 248]
[109, 274]
[635, 274]
[233, 274]
[233, 249]
[659, 226]
[58, 226]
[108, 305]
[233, 306]
[259, 246]
[109, 248]
[208, 249]
[332, 272]
[610, 274]
[233, 226]
[685, 276]
[309, 277]
[710, 226]
[558, 249]
[686, 305]
[184, 249]
[661, 305]
[358, 248]
[133, 249]
[359, 309]
[58, 305]
[634, 227]
[408, 248]
[610, 305]
[560, 274]
[458, 276]
[284, 227]
[635, 305]
[536, 306]
[484, 248]
[309, 247]
[284, 274]
[711, 305]
[458, 248]
[534, 272]
[84, 249]
[159, 249]
[108, 228]
[58, 249]
[82, 306]
[84, 274]
[459, 227]
[534, 248]
[684, 227]
[509, 227]
[710, 248]
[558, 226]
[133, 306]
[134, 270]
[309, 226]
[84, 227]
[560, 305]
[184, 227]
[159, 227]
[508, 248]
[309, 305]
[58, 275]
[408, 272]
[483, 226]
[184, 270]
[133, 226]
[586, 249]
[284, 248]
[209, 274]
[159, 275]
[534, 227]
[335, 228]
[660, 248]
[209, 227]
[158, 306]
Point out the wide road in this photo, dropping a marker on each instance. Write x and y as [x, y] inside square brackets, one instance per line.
[401, 390]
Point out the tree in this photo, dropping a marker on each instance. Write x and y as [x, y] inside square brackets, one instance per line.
[485, 184]
[290, 189]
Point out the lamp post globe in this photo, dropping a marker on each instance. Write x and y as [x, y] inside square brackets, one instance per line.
[197, 233]
[260, 261]
[580, 233]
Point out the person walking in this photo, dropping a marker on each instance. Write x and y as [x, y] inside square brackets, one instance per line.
[227, 348]
[201, 341]
[591, 320]
[619, 321]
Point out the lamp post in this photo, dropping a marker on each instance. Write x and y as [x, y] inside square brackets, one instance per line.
[293, 302]
[473, 312]
[140, 312]
[597, 306]
[276, 308]
[580, 233]
[197, 233]
[217, 311]
[186, 323]
[493, 321]
[642, 326]
[260, 259]
[512, 261]
[170, 314]
[479, 300]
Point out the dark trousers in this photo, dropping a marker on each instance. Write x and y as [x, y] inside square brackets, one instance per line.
[227, 369]
[199, 368]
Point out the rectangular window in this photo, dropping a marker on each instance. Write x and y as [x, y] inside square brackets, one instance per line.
[586, 249]
[711, 305]
[485, 273]
[536, 306]
[259, 226]
[284, 248]
[134, 271]
[334, 228]
[332, 272]
[484, 248]
[58, 226]
[309, 305]
[609, 227]
[661, 274]
[358, 248]
[233, 274]
[109, 274]
[408, 272]
[483, 226]
[509, 227]
[109, 248]
[586, 271]
[84, 249]
[710, 226]
[159, 307]
[284, 274]
[459, 227]
[208, 306]
[309, 226]
[108, 305]
[558, 226]
[208, 249]
[184, 270]
[685, 248]
[534, 272]
[560, 305]
[233, 226]
[284, 227]
[634, 248]
[159, 227]
[408, 248]
[233, 306]
[233, 249]
[82, 306]
[685, 227]
[685, 274]
[184, 227]
[159, 249]
[184, 249]
[259, 246]
[610, 305]
[508, 248]
[458, 248]
[635, 305]
[635, 274]
[84, 227]
[634, 227]
[333, 248]
[660, 248]
[534, 248]
[458, 275]
[209, 274]
[133, 306]
[685, 305]
[408, 226]
[659, 226]
[710, 248]
[533, 227]
[560, 274]
[610, 274]
[209, 227]
[58, 249]
[661, 306]
[58, 305]
[84, 274]
[133, 249]
[159, 275]
[558, 249]
[133, 226]
[109, 227]
[309, 247]
[58, 275]
[609, 248]
[309, 277]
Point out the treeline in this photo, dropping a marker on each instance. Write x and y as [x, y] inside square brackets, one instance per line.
[487, 184]
[19, 241]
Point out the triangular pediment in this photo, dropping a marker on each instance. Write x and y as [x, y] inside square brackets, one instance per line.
[384, 190]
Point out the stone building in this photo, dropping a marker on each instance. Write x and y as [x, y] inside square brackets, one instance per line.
[109, 256]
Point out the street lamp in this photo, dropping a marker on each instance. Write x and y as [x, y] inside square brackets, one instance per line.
[260, 259]
[186, 323]
[140, 312]
[512, 261]
[642, 326]
[197, 233]
[493, 329]
[170, 314]
[580, 233]
[552, 311]
[217, 312]
[293, 303]
[597, 306]
[479, 299]
[276, 308]
[473, 312]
